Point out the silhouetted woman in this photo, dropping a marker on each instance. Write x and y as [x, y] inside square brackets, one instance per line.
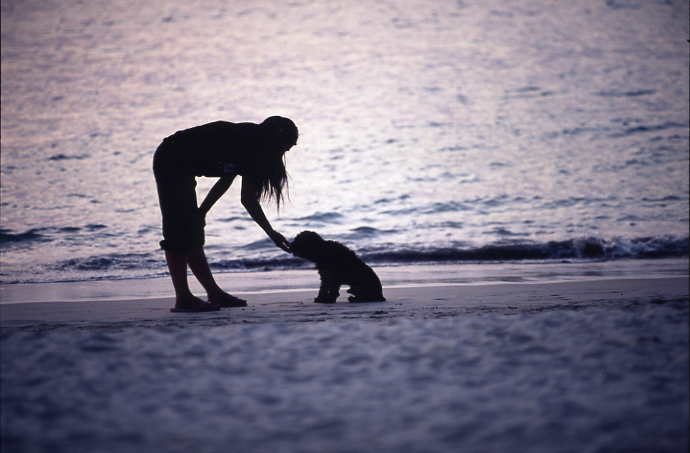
[224, 150]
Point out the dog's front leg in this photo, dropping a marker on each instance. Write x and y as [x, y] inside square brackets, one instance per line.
[329, 290]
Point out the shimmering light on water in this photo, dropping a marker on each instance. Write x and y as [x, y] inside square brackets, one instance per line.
[424, 127]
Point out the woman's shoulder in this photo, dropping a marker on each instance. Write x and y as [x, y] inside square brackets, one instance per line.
[216, 132]
[220, 126]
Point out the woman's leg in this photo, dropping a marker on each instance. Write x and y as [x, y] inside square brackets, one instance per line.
[181, 228]
[184, 299]
[177, 265]
[196, 259]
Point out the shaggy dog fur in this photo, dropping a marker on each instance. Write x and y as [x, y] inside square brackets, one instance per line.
[338, 265]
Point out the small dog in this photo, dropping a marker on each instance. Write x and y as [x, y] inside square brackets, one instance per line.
[338, 265]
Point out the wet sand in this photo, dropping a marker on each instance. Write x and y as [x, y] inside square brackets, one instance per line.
[581, 366]
[433, 299]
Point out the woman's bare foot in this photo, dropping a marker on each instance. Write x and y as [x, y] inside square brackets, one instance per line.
[226, 300]
[191, 304]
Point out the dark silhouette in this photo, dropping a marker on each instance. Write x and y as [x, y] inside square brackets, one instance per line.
[224, 150]
[338, 265]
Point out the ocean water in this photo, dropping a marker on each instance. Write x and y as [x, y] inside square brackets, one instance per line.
[448, 131]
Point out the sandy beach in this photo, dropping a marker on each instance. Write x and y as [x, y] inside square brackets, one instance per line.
[421, 300]
[582, 366]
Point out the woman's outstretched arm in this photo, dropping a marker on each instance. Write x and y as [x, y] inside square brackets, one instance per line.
[219, 188]
[250, 201]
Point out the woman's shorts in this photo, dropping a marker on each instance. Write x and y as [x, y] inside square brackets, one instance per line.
[183, 228]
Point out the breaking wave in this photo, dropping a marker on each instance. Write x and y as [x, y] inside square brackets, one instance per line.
[583, 248]
[115, 266]
[8, 237]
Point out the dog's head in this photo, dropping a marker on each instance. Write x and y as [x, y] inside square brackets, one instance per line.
[307, 245]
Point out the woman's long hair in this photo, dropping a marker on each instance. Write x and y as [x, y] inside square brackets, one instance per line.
[269, 173]
[272, 179]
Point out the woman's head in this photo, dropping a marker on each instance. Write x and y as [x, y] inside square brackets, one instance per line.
[278, 135]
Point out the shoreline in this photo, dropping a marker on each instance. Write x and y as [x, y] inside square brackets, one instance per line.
[296, 305]
[392, 277]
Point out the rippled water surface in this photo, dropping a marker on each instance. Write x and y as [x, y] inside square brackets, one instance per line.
[495, 130]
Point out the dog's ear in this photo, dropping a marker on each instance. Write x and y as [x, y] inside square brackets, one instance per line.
[306, 245]
[311, 247]
[299, 240]
[312, 237]
[299, 248]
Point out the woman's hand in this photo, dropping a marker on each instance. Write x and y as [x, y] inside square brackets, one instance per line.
[280, 241]
[250, 201]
